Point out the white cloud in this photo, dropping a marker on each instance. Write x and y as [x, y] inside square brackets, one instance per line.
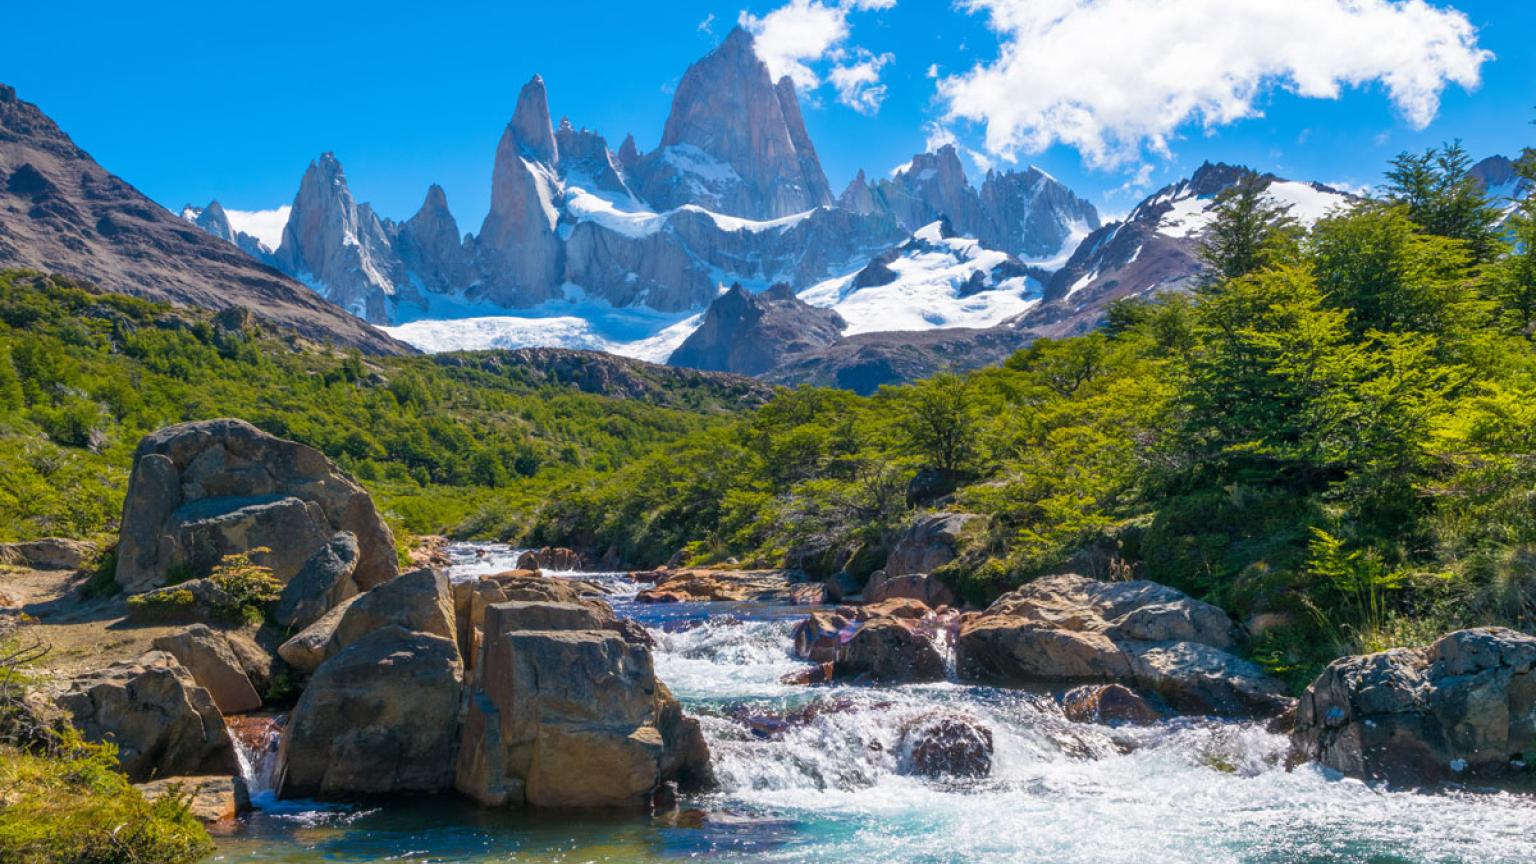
[933, 70]
[1117, 78]
[708, 24]
[858, 83]
[801, 35]
[265, 225]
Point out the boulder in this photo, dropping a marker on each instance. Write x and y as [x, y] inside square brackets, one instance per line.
[49, 553]
[472, 599]
[162, 722]
[1147, 636]
[1108, 704]
[818, 637]
[889, 651]
[945, 744]
[211, 799]
[899, 607]
[380, 717]
[842, 585]
[199, 491]
[808, 594]
[1462, 707]
[570, 717]
[550, 558]
[419, 601]
[206, 653]
[322, 582]
[703, 586]
[928, 544]
[911, 586]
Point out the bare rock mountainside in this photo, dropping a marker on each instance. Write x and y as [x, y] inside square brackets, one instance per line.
[61, 212]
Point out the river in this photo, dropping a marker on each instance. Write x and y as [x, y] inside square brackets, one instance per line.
[831, 787]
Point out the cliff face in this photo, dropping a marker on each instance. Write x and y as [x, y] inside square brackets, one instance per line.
[520, 256]
[61, 212]
[749, 334]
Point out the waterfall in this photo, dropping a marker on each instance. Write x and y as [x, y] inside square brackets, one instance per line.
[256, 738]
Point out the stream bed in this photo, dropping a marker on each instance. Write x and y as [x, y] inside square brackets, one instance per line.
[830, 784]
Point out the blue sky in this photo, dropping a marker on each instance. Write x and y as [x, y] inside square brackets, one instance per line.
[195, 101]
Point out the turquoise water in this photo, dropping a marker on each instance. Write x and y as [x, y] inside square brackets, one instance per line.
[830, 787]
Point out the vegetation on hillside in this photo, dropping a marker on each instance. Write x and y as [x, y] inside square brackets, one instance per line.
[84, 375]
[1335, 432]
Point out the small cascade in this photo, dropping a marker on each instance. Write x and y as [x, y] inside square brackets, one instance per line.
[256, 738]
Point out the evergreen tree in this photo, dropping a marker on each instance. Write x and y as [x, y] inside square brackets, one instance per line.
[1250, 232]
[1443, 198]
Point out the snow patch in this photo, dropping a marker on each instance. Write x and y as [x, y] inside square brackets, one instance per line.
[265, 225]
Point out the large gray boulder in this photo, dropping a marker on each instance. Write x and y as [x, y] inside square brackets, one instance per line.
[199, 491]
[379, 718]
[1069, 629]
[420, 601]
[207, 654]
[928, 544]
[1462, 707]
[49, 553]
[321, 583]
[570, 717]
[162, 722]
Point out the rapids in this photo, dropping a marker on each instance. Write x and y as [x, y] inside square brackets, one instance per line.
[818, 775]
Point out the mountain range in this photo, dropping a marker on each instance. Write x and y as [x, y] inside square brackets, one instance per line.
[723, 248]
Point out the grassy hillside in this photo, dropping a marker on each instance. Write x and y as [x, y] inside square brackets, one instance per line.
[83, 375]
[1335, 437]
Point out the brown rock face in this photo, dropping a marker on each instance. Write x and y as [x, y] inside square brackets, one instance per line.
[748, 334]
[946, 744]
[1144, 635]
[1109, 704]
[379, 718]
[550, 559]
[431, 247]
[419, 602]
[701, 586]
[1464, 706]
[203, 490]
[890, 651]
[60, 212]
[50, 553]
[912, 586]
[734, 142]
[930, 543]
[212, 799]
[162, 722]
[206, 654]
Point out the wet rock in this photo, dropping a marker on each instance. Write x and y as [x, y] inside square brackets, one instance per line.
[921, 587]
[821, 673]
[211, 799]
[162, 722]
[889, 651]
[206, 654]
[200, 491]
[817, 638]
[431, 550]
[928, 544]
[944, 745]
[378, 718]
[49, 553]
[841, 586]
[700, 586]
[1108, 704]
[808, 594]
[1463, 707]
[1144, 635]
[321, 583]
[550, 558]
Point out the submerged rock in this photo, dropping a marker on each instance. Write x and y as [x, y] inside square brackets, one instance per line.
[1108, 704]
[1464, 706]
[889, 651]
[946, 744]
[200, 491]
[1070, 629]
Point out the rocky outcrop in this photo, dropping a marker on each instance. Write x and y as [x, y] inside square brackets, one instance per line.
[1462, 707]
[1068, 629]
[200, 491]
[212, 799]
[931, 187]
[207, 655]
[520, 254]
[550, 558]
[1032, 215]
[49, 553]
[564, 715]
[928, 544]
[889, 651]
[922, 587]
[734, 142]
[60, 212]
[378, 718]
[431, 248]
[749, 334]
[162, 722]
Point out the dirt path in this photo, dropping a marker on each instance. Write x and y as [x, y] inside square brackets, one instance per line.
[82, 634]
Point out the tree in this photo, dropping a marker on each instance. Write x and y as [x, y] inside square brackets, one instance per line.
[1443, 198]
[1514, 283]
[1250, 232]
[937, 422]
